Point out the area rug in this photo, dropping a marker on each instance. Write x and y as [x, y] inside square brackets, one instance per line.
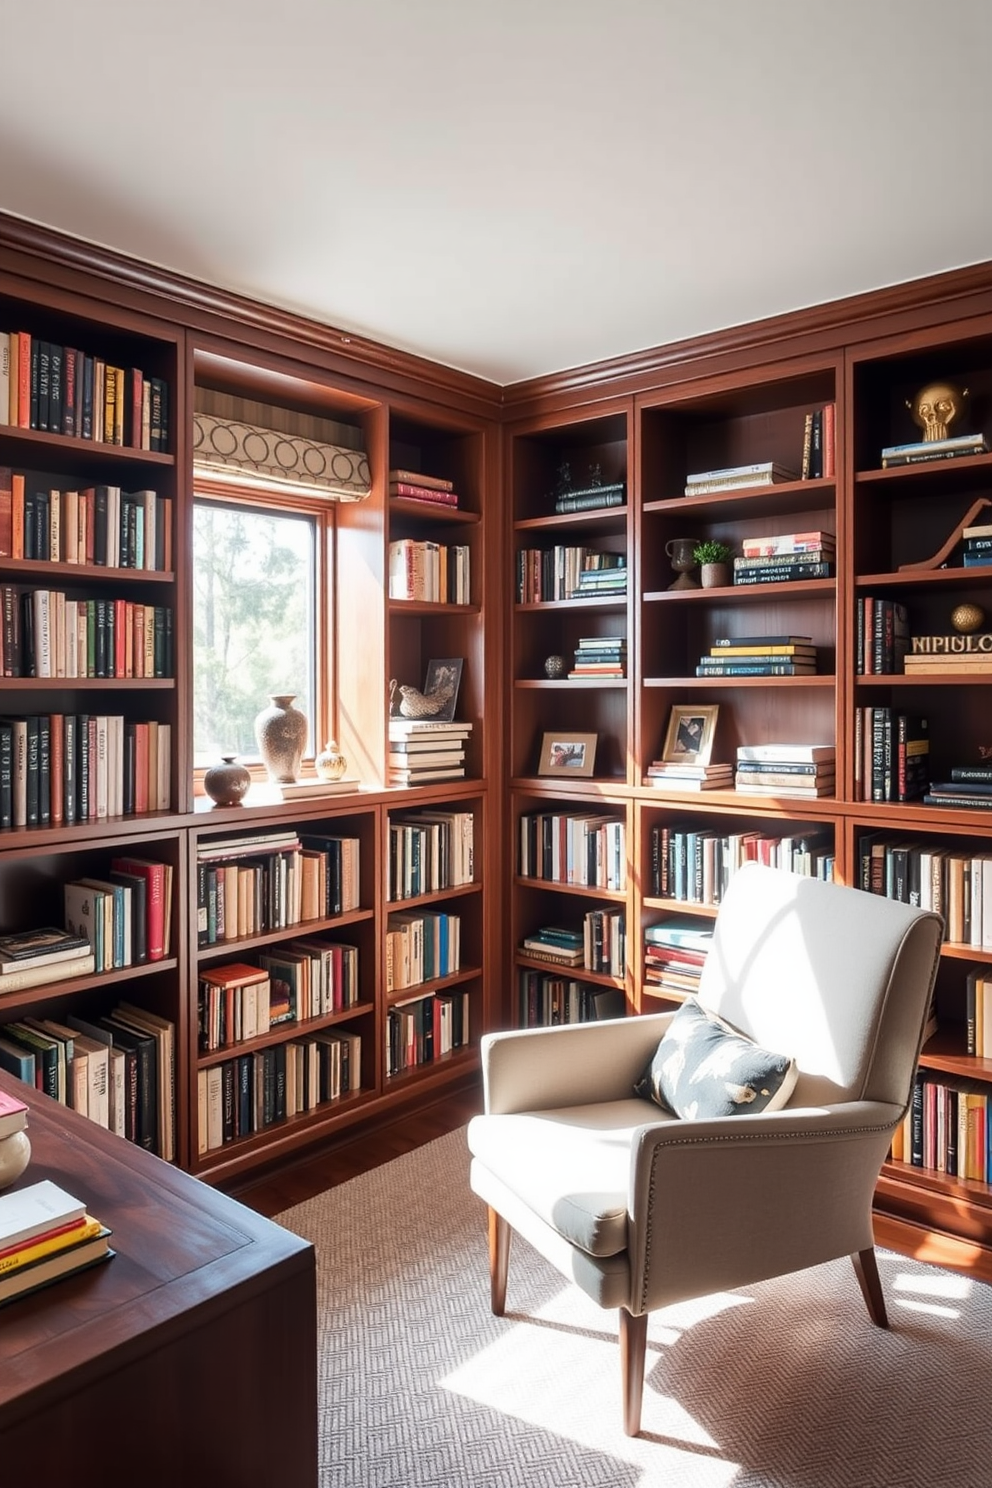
[782, 1385]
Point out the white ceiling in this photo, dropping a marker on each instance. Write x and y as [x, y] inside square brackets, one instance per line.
[511, 187]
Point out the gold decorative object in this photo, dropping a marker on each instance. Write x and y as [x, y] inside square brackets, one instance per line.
[936, 407]
[330, 763]
[967, 618]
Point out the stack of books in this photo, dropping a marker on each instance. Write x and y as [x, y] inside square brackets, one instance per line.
[552, 943]
[33, 958]
[933, 449]
[674, 956]
[422, 750]
[733, 477]
[311, 787]
[930, 654]
[759, 656]
[805, 770]
[600, 656]
[603, 573]
[45, 1234]
[977, 545]
[783, 556]
[970, 787]
[591, 497]
[665, 775]
[412, 486]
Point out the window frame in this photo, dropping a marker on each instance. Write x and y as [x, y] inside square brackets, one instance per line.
[324, 515]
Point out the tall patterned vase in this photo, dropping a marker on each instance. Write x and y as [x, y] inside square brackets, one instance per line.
[281, 732]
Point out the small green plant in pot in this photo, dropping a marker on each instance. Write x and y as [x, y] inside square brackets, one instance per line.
[713, 558]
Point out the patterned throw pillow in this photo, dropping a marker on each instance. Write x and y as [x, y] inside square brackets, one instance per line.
[702, 1068]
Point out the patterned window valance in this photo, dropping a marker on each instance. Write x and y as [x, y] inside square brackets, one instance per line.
[229, 449]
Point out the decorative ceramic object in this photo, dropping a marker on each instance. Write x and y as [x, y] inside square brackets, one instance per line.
[15, 1154]
[714, 575]
[555, 666]
[281, 732]
[967, 618]
[227, 783]
[936, 407]
[330, 763]
[679, 551]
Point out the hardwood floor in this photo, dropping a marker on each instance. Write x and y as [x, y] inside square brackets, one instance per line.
[291, 1184]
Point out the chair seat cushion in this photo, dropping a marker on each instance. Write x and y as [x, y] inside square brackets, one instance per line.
[704, 1068]
[570, 1166]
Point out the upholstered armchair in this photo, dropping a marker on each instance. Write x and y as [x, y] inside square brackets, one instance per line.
[642, 1208]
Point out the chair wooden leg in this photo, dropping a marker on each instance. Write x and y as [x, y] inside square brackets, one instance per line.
[866, 1270]
[499, 1261]
[633, 1342]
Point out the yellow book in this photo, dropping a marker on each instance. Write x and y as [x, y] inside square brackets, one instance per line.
[45, 1245]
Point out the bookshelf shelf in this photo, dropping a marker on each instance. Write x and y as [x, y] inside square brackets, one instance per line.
[283, 1033]
[745, 593]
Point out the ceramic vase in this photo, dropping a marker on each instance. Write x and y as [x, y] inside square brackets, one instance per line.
[281, 731]
[15, 1154]
[226, 783]
[715, 575]
[330, 763]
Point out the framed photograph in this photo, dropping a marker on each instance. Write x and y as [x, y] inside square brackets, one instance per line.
[689, 740]
[442, 682]
[568, 754]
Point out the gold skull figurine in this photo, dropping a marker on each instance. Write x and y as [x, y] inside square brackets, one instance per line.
[936, 407]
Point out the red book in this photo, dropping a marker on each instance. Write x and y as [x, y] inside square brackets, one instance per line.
[57, 758]
[6, 512]
[69, 425]
[829, 420]
[137, 381]
[23, 380]
[423, 493]
[154, 876]
[17, 516]
[13, 1118]
[120, 636]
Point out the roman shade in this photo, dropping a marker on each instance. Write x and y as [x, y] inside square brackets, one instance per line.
[228, 449]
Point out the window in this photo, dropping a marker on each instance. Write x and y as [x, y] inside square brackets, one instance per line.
[259, 619]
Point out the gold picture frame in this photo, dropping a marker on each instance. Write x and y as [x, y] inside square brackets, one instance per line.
[568, 754]
[691, 730]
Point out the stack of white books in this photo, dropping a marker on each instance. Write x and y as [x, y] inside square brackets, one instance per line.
[423, 750]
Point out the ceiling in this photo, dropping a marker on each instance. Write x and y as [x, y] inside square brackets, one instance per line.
[510, 187]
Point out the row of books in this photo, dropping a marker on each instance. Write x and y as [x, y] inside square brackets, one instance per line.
[421, 947]
[891, 755]
[72, 768]
[788, 776]
[422, 751]
[781, 557]
[599, 946]
[759, 656]
[64, 390]
[923, 450]
[410, 485]
[819, 443]
[100, 525]
[545, 575]
[126, 916]
[430, 571]
[585, 848]
[300, 980]
[46, 633]
[45, 1233]
[600, 656]
[942, 655]
[695, 864]
[978, 1012]
[737, 477]
[957, 885]
[882, 635]
[250, 885]
[976, 545]
[256, 1090]
[675, 953]
[947, 1128]
[544, 999]
[429, 851]
[424, 1029]
[117, 1069]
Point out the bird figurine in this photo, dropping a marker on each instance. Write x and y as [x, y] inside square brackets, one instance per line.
[416, 704]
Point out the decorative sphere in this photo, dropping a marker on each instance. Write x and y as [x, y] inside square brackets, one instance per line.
[967, 618]
[554, 666]
[226, 783]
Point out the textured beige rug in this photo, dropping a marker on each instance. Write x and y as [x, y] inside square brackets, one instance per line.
[782, 1385]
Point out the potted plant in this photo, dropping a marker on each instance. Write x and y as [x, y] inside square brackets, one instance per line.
[714, 563]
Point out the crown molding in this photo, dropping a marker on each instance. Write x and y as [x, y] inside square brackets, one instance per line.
[824, 327]
[194, 300]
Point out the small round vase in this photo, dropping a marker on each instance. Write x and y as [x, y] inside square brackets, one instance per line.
[281, 731]
[226, 783]
[15, 1154]
[330, 763]
[555, 666]
[715, 575]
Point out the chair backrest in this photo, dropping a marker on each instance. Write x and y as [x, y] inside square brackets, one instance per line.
[838, 978]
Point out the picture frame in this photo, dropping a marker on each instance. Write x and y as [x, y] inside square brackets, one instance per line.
[568, 754]
[691, 730]
[440, 674]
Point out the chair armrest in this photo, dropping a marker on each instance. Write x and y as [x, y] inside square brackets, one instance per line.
[537, 1069]
[789, 1189]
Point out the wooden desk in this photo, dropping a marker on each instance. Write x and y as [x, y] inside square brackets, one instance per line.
[188, 1359]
